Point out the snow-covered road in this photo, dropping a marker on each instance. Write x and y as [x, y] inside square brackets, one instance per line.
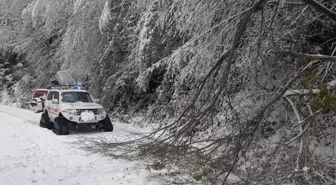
[30, 154]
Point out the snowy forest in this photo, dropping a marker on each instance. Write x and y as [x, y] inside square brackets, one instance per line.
[239, 91]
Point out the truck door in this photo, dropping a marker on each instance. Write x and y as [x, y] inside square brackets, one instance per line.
[52, 108]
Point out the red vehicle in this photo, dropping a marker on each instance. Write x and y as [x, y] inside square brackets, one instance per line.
[37, 103]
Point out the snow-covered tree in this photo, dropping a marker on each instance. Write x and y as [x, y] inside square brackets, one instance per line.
[240, 88]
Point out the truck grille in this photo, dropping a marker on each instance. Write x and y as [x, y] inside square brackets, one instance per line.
[79, 111]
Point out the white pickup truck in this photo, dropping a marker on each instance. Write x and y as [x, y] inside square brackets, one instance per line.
[66, 108]
[68, 105]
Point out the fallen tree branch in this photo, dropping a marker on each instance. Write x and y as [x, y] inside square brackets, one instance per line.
[323, 58]
[321, 8]
[293, 92]
[301, 92]
[241, 28]
[298, 117]
[258, 118]
[302, 131]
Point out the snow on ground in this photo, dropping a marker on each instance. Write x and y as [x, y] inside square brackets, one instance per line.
[30, 154]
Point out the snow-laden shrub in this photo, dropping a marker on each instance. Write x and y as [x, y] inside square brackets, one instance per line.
[50, 15]
[38, 13]
[105, 17]
[56, 14]
[82, 42]
[123, 95]
[78, 5]
[27, 16]
[147, 29]
[114, 17]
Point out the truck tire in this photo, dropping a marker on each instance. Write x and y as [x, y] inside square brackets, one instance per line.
[106, 124]
[61, 126]
[42, 121]
[45, 121]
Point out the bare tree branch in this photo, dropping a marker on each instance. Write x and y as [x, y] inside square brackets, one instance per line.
[324, 58]
[319, 7]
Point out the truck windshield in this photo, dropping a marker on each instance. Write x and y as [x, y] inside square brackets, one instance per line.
[72, 97]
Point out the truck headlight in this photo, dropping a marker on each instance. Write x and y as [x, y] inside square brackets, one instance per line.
[101, 111]
[71, 111]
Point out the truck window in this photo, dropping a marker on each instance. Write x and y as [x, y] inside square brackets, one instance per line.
[72, 97]
[50, 95]
[56, 95]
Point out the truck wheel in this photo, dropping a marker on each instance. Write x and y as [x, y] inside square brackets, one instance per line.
[106, 124]
[61, 126]
[42, 121]
[45, 121]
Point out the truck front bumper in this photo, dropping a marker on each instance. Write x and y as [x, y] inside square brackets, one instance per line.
[78, 119]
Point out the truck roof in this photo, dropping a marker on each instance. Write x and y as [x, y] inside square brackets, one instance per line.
[68, 90]
[73, 90]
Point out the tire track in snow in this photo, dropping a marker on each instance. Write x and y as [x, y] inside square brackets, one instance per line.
[44, 158]
[34, 155]
[17, 116]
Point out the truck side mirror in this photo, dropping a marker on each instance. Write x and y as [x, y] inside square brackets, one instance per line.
[54, 101]
[97, 100]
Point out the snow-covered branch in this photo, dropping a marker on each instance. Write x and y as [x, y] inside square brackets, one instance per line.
[324, 58]
[292, 92]
[321, 8]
